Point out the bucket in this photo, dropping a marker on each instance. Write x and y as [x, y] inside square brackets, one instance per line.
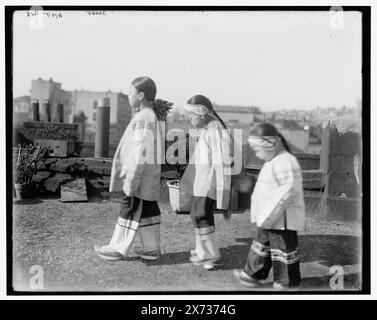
[245, 183]
[180, 201]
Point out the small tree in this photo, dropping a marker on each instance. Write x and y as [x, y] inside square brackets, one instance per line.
[30, 158]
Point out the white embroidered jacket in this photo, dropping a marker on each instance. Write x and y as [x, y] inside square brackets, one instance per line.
[208, 173]
[136, 165]
[277, 201]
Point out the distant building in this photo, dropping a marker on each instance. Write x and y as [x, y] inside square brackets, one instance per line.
[43, 90]
[51, 91]
[299, 138]
[345, 112]
[87, 102]
[120, 112]
[234, 114]
[294, 133]
[21, 109]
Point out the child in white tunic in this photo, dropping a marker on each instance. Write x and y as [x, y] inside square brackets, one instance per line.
[278, 209]
[136, 171]
[207, 177]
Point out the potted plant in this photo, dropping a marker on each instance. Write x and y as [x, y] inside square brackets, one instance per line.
[29, 159]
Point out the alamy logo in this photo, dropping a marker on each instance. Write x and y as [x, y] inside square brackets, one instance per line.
[337, 280]
[36, 18]
[224, 152]
[37, 280]
[337, 18]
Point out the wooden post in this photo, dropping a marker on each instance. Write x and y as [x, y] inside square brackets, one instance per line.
[58, 113]
[46, 112]
[103, 129]
[34, 112]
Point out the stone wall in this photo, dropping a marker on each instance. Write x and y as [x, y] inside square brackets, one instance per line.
[86, 149]
[57, 171]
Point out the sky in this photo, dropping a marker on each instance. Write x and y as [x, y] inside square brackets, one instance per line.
[274, 60]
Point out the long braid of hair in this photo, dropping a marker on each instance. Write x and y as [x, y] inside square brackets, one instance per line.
[155, 108]
[218, 118]
[223, 124]
[225, 127]
[285, 143]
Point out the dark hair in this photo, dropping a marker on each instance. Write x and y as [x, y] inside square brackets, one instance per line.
[266, 129]
[147, 86]
[202, 100]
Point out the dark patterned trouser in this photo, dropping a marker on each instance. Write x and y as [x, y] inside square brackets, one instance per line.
[137, 215]
[202, 212]
[276, 249]
[204, 224]
[129, 206]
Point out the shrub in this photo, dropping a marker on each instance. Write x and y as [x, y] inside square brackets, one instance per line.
[30, 158]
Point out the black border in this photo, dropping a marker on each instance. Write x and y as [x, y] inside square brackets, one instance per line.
[366, 56]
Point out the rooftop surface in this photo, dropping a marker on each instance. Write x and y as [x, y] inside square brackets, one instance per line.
[60, 238]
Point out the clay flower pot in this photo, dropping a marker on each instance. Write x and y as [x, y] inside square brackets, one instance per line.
[22, 190]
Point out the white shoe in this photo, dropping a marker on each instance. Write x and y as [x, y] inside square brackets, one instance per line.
[150, 255]
[108, 253]
[280, 287]
[207, 264]
[193, 252]
[245, 279]
[210, 264]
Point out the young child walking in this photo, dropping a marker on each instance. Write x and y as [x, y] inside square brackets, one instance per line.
[207, 178]
[278, 209]
[136, 171]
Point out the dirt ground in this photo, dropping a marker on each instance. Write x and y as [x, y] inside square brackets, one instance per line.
[60, 238]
